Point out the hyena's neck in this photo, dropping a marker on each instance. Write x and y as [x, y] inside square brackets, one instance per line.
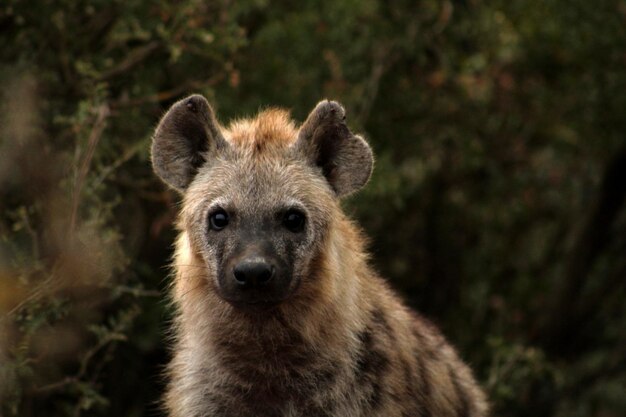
[313, 328]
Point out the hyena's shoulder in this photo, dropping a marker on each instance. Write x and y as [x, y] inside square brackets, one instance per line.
[405, 366]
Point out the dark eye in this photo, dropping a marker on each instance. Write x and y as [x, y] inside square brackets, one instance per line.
[294, 220]
[218, 220]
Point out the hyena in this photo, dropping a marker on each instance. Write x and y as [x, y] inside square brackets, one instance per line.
[279, 312]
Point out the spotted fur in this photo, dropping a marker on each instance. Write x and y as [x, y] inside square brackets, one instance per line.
[341, 343]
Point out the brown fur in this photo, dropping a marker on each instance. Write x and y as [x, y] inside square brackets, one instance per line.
[342, 344]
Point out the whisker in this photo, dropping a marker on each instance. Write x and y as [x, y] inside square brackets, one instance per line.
[190, 290]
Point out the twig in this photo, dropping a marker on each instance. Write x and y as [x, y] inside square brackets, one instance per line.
[33, 235]
[383, 60]
[134, 58]
[126, 155]
[445, 16]
[47, 285]
[137, 292]
[94, 138]
[168, 94]
[56, 385]
[84, 364]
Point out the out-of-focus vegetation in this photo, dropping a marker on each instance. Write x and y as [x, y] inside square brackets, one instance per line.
[496, 207]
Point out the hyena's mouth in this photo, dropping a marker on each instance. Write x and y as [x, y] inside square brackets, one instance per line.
[254, 298]
[254, 304]
[258, 305]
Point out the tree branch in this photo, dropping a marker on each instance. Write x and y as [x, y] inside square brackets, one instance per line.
[134, 58]
[186, 87]
[561, 327]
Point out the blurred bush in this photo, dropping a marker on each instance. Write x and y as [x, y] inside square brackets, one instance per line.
[497, 205]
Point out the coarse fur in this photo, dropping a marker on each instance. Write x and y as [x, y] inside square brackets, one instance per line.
[339, 342]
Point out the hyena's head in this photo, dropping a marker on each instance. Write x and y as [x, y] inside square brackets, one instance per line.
[258, 196]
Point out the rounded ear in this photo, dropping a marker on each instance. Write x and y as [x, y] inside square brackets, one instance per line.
[185, 138]
[325, 141]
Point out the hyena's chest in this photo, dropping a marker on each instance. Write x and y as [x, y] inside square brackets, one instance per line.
[293, 379]
[306, 388]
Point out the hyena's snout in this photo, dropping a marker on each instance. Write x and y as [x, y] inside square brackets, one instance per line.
[255, 277]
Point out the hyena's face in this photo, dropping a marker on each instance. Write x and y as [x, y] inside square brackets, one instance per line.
[257, 222]
[258, 196]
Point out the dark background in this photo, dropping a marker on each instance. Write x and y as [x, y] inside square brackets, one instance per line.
[496, 207]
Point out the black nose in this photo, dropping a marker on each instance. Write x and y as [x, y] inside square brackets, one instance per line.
[253, 273]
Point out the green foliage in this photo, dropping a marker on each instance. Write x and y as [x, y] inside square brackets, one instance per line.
[496, 207]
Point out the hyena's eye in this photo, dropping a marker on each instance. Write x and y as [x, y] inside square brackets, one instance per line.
[218, 220]
[294, 220]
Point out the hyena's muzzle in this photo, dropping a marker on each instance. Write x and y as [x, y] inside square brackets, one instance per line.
[257, 255]
[255, 276]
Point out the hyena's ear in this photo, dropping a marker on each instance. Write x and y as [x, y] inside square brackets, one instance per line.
[186, 137]
[324, 139]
